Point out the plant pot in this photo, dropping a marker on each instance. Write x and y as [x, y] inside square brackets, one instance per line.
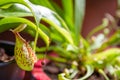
[10, 70]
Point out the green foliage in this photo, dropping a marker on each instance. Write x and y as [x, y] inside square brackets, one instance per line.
[31, 25]
[62, 25]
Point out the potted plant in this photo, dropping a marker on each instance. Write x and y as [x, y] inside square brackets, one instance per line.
[82, 56]
[86, 56]
[21, 46]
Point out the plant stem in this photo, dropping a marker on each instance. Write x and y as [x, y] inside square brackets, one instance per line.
[35, 41]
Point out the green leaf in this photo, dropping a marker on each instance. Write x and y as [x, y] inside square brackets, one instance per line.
[5, 27]
[79, 16]
[4, 2]
[17, 10]
[5, 6]
[55, 38]
[22, 11]
[57, 8]
[45, 29]
[33, 9]
[22, 20]
[66, 34]
[68, 13]
[38, 12]
[46, 3]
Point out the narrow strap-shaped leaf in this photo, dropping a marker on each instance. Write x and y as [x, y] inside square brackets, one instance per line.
[68, 7]
[68, 12]
[79, 16]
